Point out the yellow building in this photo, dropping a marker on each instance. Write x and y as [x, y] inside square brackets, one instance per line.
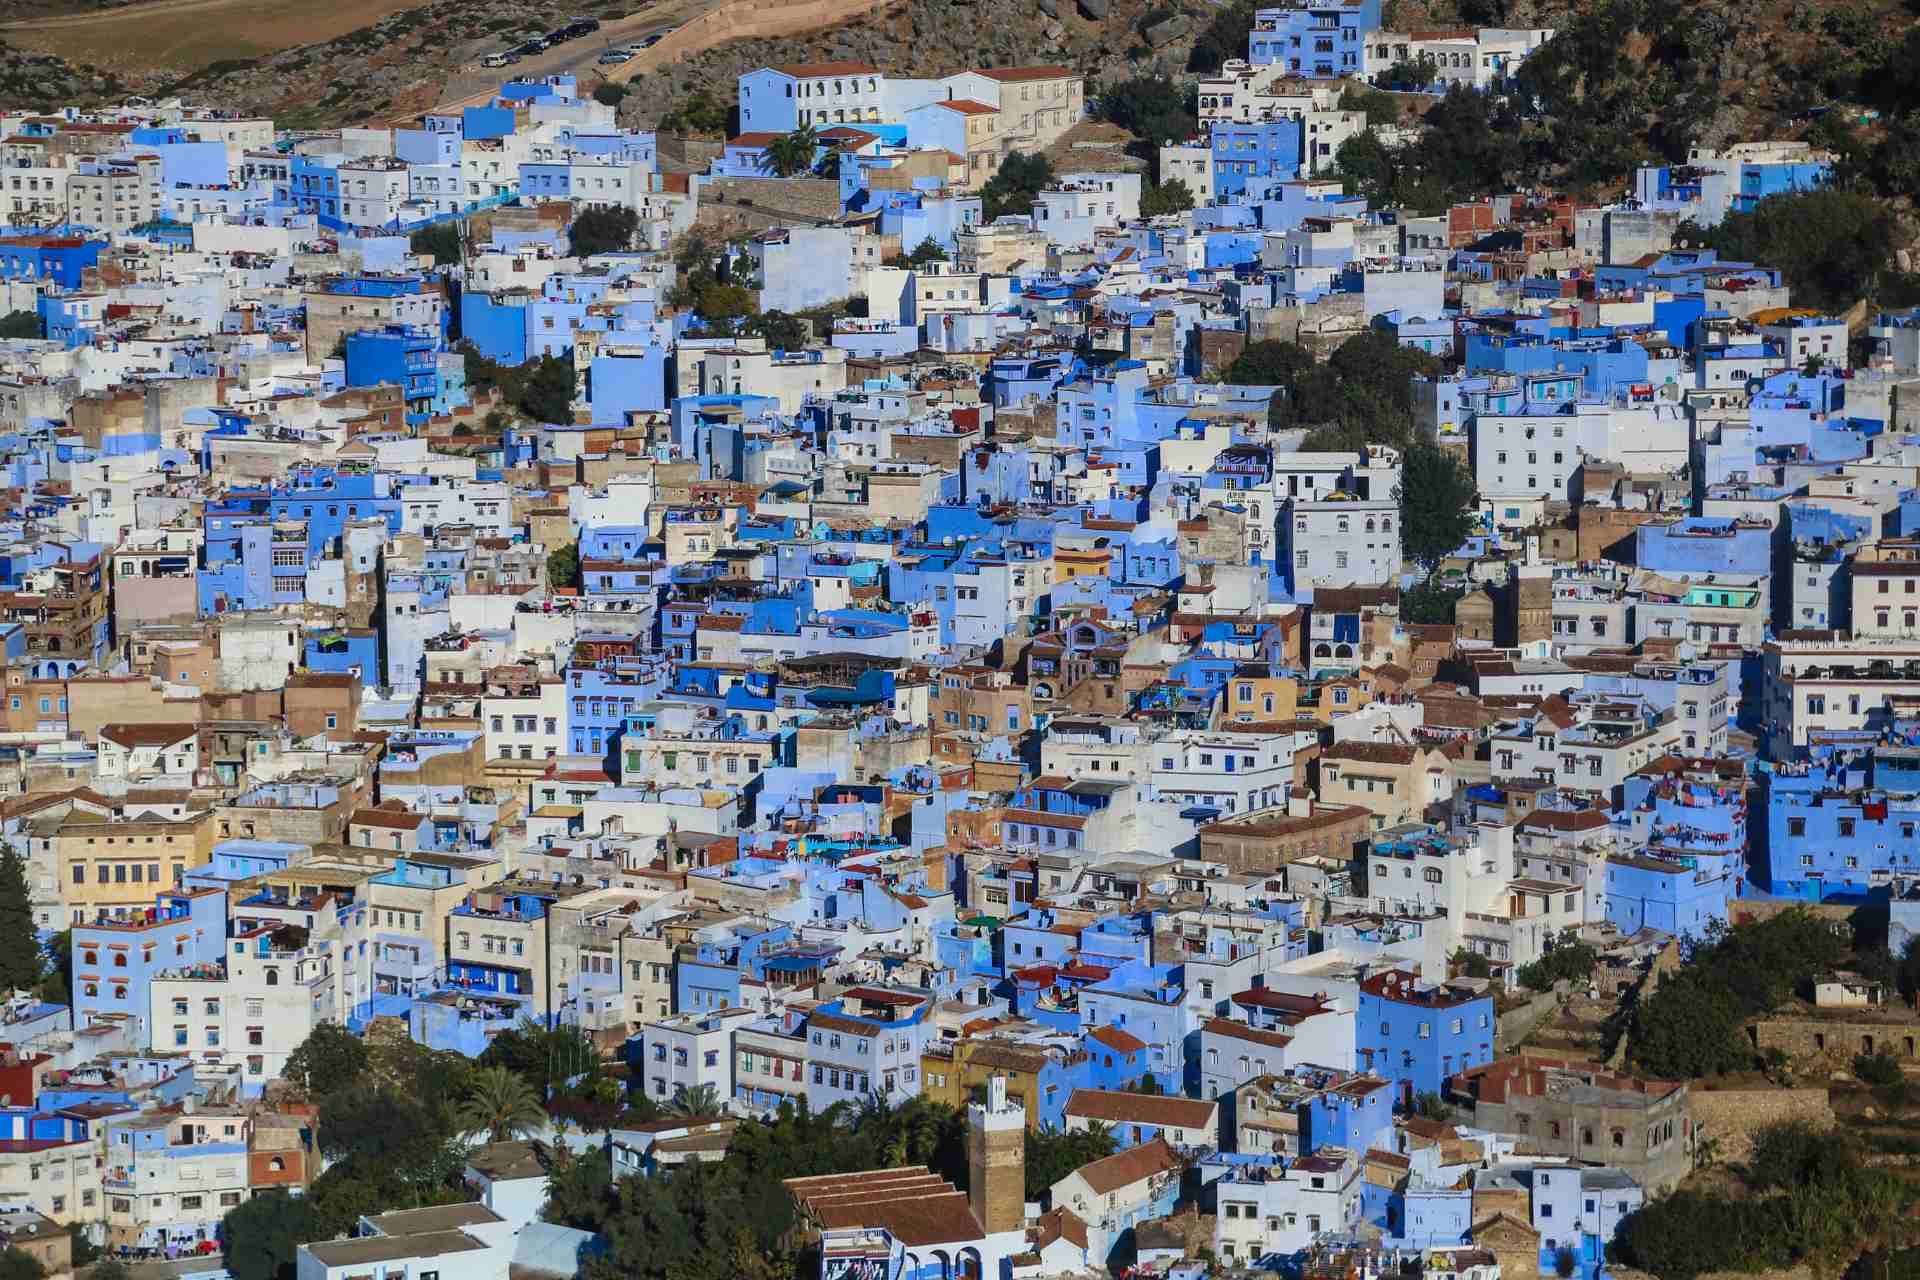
[1255, 696]
[1081, 562]
[952, 1072]
[114, 866]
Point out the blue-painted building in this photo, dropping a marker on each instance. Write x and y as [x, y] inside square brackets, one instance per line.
[1249, 158]
[1416, 1035]
[115, 960]
[1314, 41]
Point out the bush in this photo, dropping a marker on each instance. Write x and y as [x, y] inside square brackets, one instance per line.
[610, 93]
[1877, 1068]
[1567, 958]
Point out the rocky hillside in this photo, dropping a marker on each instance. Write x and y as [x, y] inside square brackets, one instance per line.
[40, 82]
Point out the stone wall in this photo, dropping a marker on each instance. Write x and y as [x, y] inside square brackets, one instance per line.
[1838, 1039]
[1730, 1117]
[1515, 1025]
[771, 201]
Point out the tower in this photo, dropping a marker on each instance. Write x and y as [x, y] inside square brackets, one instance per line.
[997, 1160]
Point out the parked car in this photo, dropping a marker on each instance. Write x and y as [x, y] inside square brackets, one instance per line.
[612, 56]
[528, 49]
[651, 40]
[583, 26]
[505, 59]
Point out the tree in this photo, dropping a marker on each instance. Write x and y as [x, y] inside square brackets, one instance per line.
[21, 968]
[442, 240]
[1380, 108]
[699, 1103]
[1147, 1084]
[698, 112]
[1438, 502]
[928, 250]
[577, 1188]
[1566, 958]
[546, 395]
[1166, 198]
[1269, 364]
[1052, 1154]
[792, 154]
[602, 230]
[18, 1264]
[610, 93]
[21, 324]
[502, 1105]
[1430, 601]
[1224, 37]
[1880, 1068]
[722, 305]
[330, 1058]
[782, 330]
[563, 570]
[1013, 186]
[545, 1057]
[1831, 245]
[1906, 974]
[57, 986]
[1152, 108]
[1470, 963]
[1692, 1023]
[262, 1234]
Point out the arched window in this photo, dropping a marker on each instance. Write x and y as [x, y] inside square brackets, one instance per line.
[273, 977]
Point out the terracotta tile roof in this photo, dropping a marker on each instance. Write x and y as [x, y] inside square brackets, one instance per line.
[1117, 1040]
[1110, 1106]
[1124, 1168]
[148, 735]
[809, 70]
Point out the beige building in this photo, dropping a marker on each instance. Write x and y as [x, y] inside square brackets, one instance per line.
[1392, 781]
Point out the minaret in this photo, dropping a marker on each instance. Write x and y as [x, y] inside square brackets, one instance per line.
[997, 1160]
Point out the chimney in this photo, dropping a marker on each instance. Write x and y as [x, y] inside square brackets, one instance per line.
[997, 1161]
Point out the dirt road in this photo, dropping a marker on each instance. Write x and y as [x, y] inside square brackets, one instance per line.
[474, 86]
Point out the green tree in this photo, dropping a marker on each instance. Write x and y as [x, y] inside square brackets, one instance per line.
[699, 112]
[782, 330]
[57, 986]
[793, 153]
[602, 230]
[1566, 957]
[928, 250]
[1692, 1023]
[1438, 503]
[610, 93]
[545, 1057]
[1380, 108]
[502, 1105]
[1430, 601]
[577, 1185]
[1166, 198]
[1831, 245]
[21, 324]
[1053, 1154]
[1013, 186]
[546, 394]
[1906, 974]
[702, 1102]
[18, 1264]
[1269, 364]
[442, 240]
[263, 1233]
[330, 1058]
[21, 968]
[722, 305]
[1469, 963]
[1152, 108]
[1880, 1068]
[563, 570]
[1224, 37]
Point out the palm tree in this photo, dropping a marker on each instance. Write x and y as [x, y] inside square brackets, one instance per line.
[502, 1104]
[793, 153]
[702, 1102]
